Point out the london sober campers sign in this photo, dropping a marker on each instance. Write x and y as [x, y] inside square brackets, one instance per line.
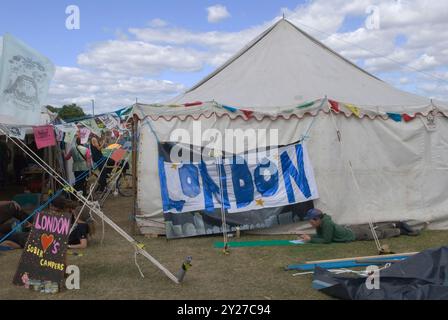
[44, 255]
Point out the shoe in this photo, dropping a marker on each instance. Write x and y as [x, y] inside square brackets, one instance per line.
[407, 230]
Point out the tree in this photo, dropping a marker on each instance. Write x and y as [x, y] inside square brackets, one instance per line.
[53, 109]
[71, 112]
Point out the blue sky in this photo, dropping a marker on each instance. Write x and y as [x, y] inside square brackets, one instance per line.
[41, 23]
[416, 37]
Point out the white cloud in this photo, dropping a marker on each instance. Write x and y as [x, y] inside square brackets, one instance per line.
[158, 23]
[109, 90]
[217, 13]
[424, 62]
[140, 58]
[422, 22]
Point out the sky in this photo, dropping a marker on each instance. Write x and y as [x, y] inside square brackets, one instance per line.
[154, 50]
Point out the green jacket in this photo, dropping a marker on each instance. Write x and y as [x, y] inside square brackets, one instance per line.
[329, 232]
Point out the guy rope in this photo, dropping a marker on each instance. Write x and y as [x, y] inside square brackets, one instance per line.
[355, 181]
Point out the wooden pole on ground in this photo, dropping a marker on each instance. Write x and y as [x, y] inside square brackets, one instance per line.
[385, 256]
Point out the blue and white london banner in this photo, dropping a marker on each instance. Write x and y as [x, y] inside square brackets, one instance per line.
[257, 180]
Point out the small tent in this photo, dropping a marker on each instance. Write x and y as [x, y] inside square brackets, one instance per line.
[379, 154]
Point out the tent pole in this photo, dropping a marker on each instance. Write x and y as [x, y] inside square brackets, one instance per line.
[135, 123]
[221, 195]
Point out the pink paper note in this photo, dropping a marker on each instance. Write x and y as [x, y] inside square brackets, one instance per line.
[118, 155]
[44, 136]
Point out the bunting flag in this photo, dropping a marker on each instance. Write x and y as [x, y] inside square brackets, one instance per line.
[193, 104]
[123, 112]
[231, 109]
[395, 116]
[334, 106]
[355, 110]
[408, 118]
[17, 132]
[249, 114]
[109, 121]
[92, 125]
[84, 134]
[44, 136]
[118, 155]
[25, 77]
[59, 134]
[70, 130]
[306, 105]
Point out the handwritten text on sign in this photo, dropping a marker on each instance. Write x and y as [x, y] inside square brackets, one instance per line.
[44, 255]
[254, 181]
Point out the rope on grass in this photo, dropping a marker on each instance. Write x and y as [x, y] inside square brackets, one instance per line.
[137, 265]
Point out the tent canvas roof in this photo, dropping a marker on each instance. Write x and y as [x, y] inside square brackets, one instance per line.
[284, 66]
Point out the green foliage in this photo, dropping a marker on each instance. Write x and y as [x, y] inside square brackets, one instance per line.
[68, 112]
[53, 109]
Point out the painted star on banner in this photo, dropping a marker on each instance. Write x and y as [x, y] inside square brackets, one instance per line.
[260, 202]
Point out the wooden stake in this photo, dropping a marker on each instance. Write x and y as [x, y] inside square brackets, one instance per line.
[385, 256]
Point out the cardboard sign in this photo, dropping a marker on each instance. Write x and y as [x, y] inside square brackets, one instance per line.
[44, 136]
[44, 256]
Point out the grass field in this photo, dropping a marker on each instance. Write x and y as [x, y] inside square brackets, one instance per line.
[108, 271]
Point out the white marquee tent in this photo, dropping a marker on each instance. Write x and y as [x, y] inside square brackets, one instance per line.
[287, 80]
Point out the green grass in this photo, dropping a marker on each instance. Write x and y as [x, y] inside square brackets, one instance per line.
[109, 272]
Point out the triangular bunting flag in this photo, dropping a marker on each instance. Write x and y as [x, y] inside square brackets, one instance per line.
[193, 104]
[231, 109]
[306, 105]
[408, 118]
[354, 110]
[248, 113]
[394, 116]
[334, 106]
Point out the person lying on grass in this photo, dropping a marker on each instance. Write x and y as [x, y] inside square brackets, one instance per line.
[10, 211]
[329, 232]
[84, 228]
